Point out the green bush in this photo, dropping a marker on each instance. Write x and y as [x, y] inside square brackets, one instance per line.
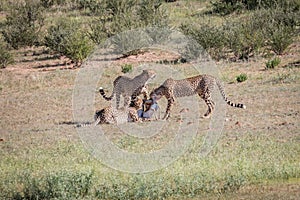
[118, 16]
[281, 38]
[248, 35]
[211, 38]
[4, 5]
[241, 78]
[6, 57]
[49, 3]
[23, 24]
[271, 64]
[127, 68]
[225, 7]
[68, 39]
[150, 13]
[93, 7]
[245, 36]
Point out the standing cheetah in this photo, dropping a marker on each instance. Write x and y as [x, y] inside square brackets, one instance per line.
[203, 85]
[128, 87]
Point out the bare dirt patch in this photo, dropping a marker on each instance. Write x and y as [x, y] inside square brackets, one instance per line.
[38, 59]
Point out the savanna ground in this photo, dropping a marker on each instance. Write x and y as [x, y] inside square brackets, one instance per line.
[256, 157]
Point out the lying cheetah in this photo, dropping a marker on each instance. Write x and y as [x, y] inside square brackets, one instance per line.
[111, 115]
[203, 85]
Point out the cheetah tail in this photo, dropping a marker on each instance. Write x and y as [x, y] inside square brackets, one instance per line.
[221, 88]
[102, 92]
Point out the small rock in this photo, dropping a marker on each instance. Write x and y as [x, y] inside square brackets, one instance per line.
[238, 124]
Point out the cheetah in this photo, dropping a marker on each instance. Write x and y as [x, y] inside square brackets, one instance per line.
[111, 115]
[128, 87]
[203, 85]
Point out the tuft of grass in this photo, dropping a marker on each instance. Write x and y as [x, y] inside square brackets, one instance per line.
[285, 78]
[241, 78]
[127, 68]
[271, 64]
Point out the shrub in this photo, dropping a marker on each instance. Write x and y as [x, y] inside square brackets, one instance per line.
[241, 78]
[93, 6]
[281, 38]
[118, 16]
[127, 68]
[66, 38]
[245, 36]
[6, 57]
[271, 29]
[225, 7]
[150, 13]
[49, 3]
[4, 5]
[130, 42]
[23, 24]
[271, 64]
[211, 38]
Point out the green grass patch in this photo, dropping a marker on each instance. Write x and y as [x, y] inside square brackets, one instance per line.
[271, 64]
[224, 170]
[241, 78]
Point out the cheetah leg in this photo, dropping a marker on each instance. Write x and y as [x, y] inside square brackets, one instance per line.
[210, 104]
[97, 121]
[145, 93]
[134, 117]
[127, 101]
[168, 110]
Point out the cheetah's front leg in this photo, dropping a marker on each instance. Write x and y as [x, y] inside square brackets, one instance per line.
[168, 110]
